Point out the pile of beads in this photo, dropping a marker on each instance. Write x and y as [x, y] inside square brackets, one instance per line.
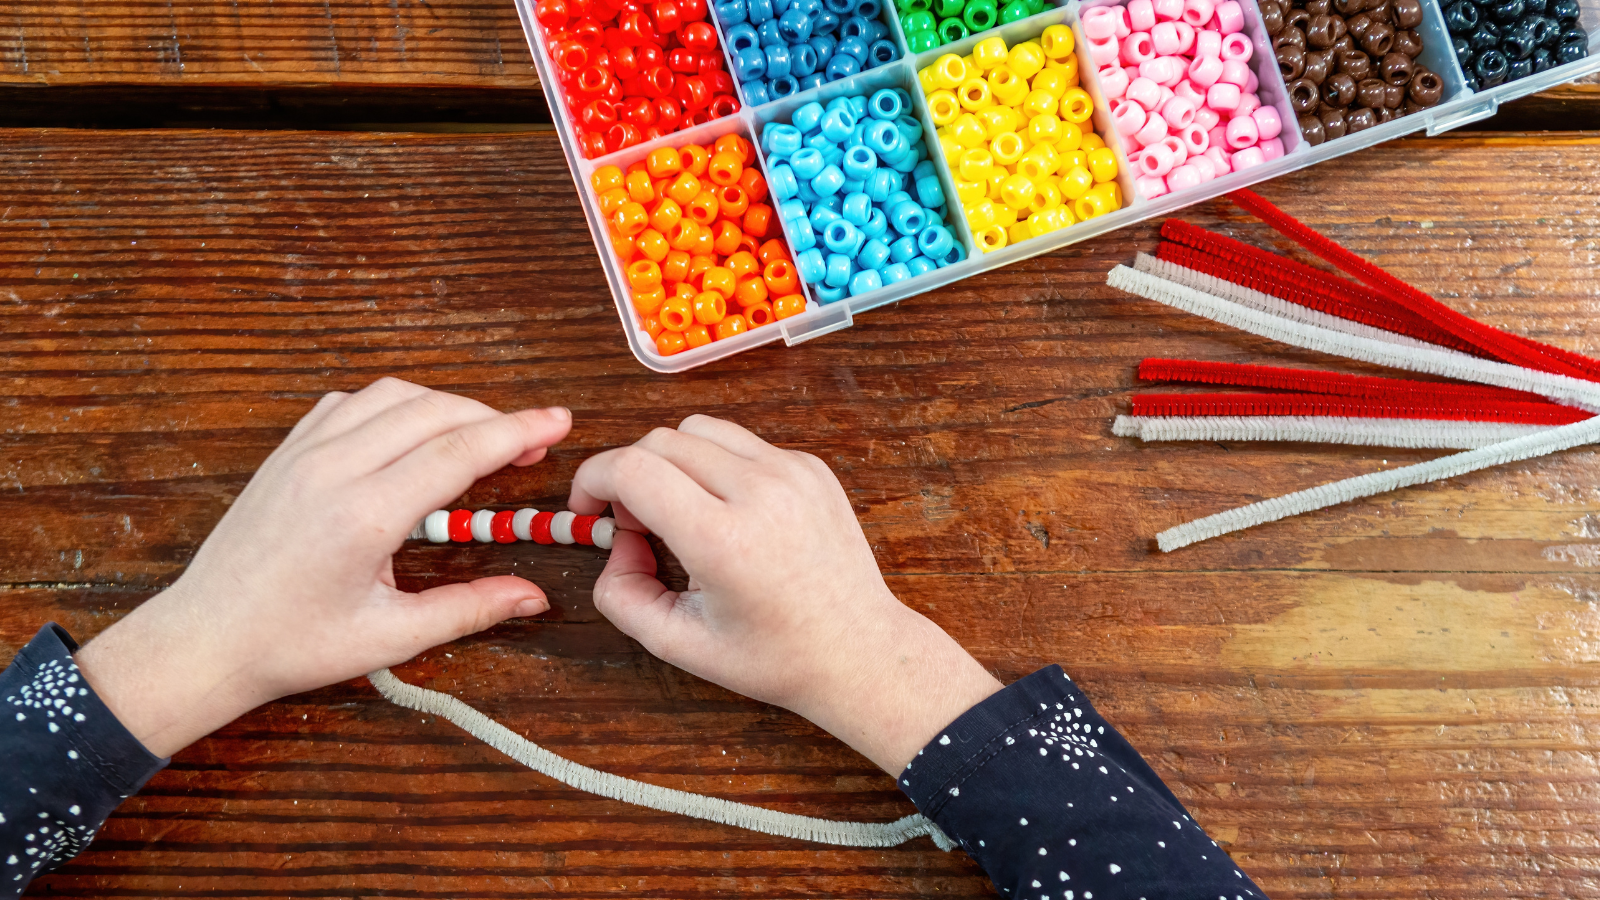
[783, 46]
[505, 527]
[631, 71]
[1011, 124]
[1350, 64]
[693, 235]
[1502, 40]
[934, 23]
[840, 175]
[1182, 91]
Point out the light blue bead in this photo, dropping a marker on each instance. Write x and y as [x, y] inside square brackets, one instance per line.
[910, 130]
[908, 218]
[935, 241]
[731, 12]
[823, 44]
[829, 294]
[795, 26]
[821, 216]
[790, 209]
[841, 103]
[811, 265]
[760, 10]
[837, 124]
[807, 163]
[858, 135]
[905, 162]
[923, 170]
[781, 140]
[782, 183]
[749, 64]
[778, 62]
[895, 198]
[929, 192]
[828, 182]
[834, 154]
[814, 80]
[920, 265]
[834, 202]
[874, 253]
[857, 209]
[839, 236]
[807, 117]
[877, 224]
[852, 185]
[885, 140]
[755, 93]
[817, 142]
[895, 272]
[881, 183]
[768, 32]
[885, 105]
[864, 282]
[905, 97]
[802, 62]
[955, 255]
[742, 35]
[842, 65]
[783, 86]
[800, 232]
[904, 249]
[839, 269]
[805, 193]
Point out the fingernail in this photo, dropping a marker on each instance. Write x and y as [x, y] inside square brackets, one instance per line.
[561, 412]
[531, 607]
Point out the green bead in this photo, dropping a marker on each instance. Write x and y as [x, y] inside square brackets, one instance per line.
[921, 41]
[980, 15]
[952, 30]
[1014, 11]
[948, 9]
[1035, 7]
[921, 20]
[912, 6]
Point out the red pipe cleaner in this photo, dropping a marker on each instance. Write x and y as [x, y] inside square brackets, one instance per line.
[1347, 407]
[1312, 381]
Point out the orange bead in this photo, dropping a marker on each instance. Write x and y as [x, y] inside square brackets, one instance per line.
[780, 278]
[792, 305]
[623, 247]
[695, 159]
[721, 280]
[751, 291]
[636, 166]
[755, 186]
[705, 242]
[606, 178]
[750, 245]
[742, 264]
[684, 235]
[733, 143]
[663, 162]
[725, 169]
[699, 264]
[652, 245]
[648, 301]
[612, 200]
[676, 314]
[733, 201]
[644, 275]
[665, 215]
[697, 335]
[756, 219]
[684, 188]
[652, 326]
[641, 188]
[704, 208]
[732, 325]
[710, 308]
[670, 342]
[773, 251]
[630, 219]
[686, 290]
[728, 237]
[758, 314]
[675, 267]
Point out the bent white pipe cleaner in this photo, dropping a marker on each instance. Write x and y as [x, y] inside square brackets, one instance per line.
[1411, 434]
[508, 526]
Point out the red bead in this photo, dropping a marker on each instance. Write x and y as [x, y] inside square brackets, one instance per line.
[593, 144]
[598, 115]
[655, 131]
[622, 134]
[640, 111]
[650, 56]
[666, 16]
[583, 529]
[460, 525]
[723, 105]
[658, 82]
[570, 56]
[500, 528]
[587, 32]
[551, 13]
[691, 10]
[694, 92]
[625, 63]
[697, 117]
[709, 62]
[683, 60]
[594, 80]
[698, 36]
[719, 82]
[541, 528]
[668, 113]
[637, 29]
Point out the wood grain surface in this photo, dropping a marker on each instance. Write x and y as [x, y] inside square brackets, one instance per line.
[1395, 698]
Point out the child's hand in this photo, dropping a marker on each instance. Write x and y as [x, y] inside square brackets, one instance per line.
[785, 604]
[294, 589]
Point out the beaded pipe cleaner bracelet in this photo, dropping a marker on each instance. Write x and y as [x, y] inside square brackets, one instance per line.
[507, 526]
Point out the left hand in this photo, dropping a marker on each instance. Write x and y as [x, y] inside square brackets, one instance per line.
[295, 588]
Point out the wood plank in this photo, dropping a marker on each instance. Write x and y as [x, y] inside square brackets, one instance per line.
[1399, 697]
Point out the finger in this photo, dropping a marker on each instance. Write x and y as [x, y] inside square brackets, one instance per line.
[442, 614]
[729, 436]
[629, 594]
[403, 427]
[657, 494]
[366, 403]
[717, 470]
[319, 412]
[444, 466]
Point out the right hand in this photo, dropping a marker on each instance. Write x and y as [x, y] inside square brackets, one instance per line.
[785, 601]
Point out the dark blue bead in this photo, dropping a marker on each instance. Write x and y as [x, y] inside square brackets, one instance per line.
[731, 12]
[760, 10]
[823, 44]
[855, 47]
[842, 65]
[741, 36]
[755, 93]
[868, 9]
[782, 87]
[881, 52]
[825, 22]
[794, 26]
[749, 64]
[855, 26]
[811, 81]
[802, 61]
[778, 62]
[768, 33]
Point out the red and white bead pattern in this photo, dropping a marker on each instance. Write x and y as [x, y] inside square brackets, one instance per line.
[507, 526]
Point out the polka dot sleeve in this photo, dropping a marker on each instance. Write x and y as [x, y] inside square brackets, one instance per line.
[1056, 805]
[68, 761]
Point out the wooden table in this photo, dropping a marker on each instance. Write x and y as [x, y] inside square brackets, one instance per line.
[1395, 698]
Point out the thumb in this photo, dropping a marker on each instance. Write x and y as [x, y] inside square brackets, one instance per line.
[629, 594]
[455, 610]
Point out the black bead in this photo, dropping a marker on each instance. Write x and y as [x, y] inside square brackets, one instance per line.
[1490, 67]
[1572, 51]
[1462, 17]
[1487, 37]
[1542, 59]
[1543, 30]
[1519, 68]
[1563, 10]
[1505, 11]
[1464, 52]
[1517, 41]
[1470, 82]
[1573, 33]
[1533, 7]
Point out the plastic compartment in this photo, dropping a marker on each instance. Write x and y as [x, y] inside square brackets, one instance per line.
[886, 15]
[1460, 107]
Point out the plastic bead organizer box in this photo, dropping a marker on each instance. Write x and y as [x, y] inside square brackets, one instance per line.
[713, 101]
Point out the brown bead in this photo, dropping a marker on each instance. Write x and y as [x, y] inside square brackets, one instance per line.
[1272, 17]
[1384, 114]
[1396, 68]
[1303, 97]
[1357, 26]
[1333, 123]
[1393, 95]
[1339, 91]
[1291, 62]
[1412, 106]
[1371, 93]
[1380, 12]
[1407, 13]
[1319, 64]
[1426, 87]
[1349, 8]
[1356, 64]
[1296, 18]
[1360, 119]
[1290, 37]
[1378, 40]
[1408, 42]
[1323, 31]
[1346, 44]
[1311, 129]
[1317, 7]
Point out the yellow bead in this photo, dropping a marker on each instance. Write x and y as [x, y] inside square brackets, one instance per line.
[998, 120]
[949, 70]
[974, 94]
[1052, 82]
[1045, 129]
[1039, 162]
[970, 191]
[968, 131]
[1004, 216]
[1100, 200]
[1067, 67]
[1007, 148]
[1075, 183]
[925, 78]
[1071, 138]
[952, 149]
[1043, 223]
[944, 107]
[1026, 59]
[1057, 41]
[1017, 232]
[1017, 192]
[1076, 105]
[1102, 165]
[1116, 194]
[989, 53]
[1046, 195]
[975, 165]
[1007, 86]
[1073, 159]
[1092, 141]
[996, 178]
[991, 239]
[980, 214]
[1037, 103]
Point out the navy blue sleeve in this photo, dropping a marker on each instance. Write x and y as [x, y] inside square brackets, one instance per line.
[68, 761]
[1056, 805]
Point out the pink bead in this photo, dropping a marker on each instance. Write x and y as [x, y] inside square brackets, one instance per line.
[1236, 46]
[1155, 128]
[1183, 178]
[1162, 70]
[1113, 82]
[1100, 23]
[1205, 70]
[1156, 160]
[1271, 150]
[1217, 137]
[1206, 168]
[1142, 14]
[1144, 92]
[1132, 72]
[1230, 17]
[1195, 139]
[1139, 48]
[1268, 122]
[1219, 158]
[1165, 38]
[1206, 117]
[1208, 44]
[1187, 91]
[1234, 72]
[1246, 158]
[1178, 112]
[1185, 36]
[1124, 24]
[1198, 12]
[1127, 116]
[1248, 104]
[1222, 97]
[1252, 84]
[1168, 10]
[1166, 94]
[1242, 133]
[1105, 52]
[1180, 151]
[1150, 186]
